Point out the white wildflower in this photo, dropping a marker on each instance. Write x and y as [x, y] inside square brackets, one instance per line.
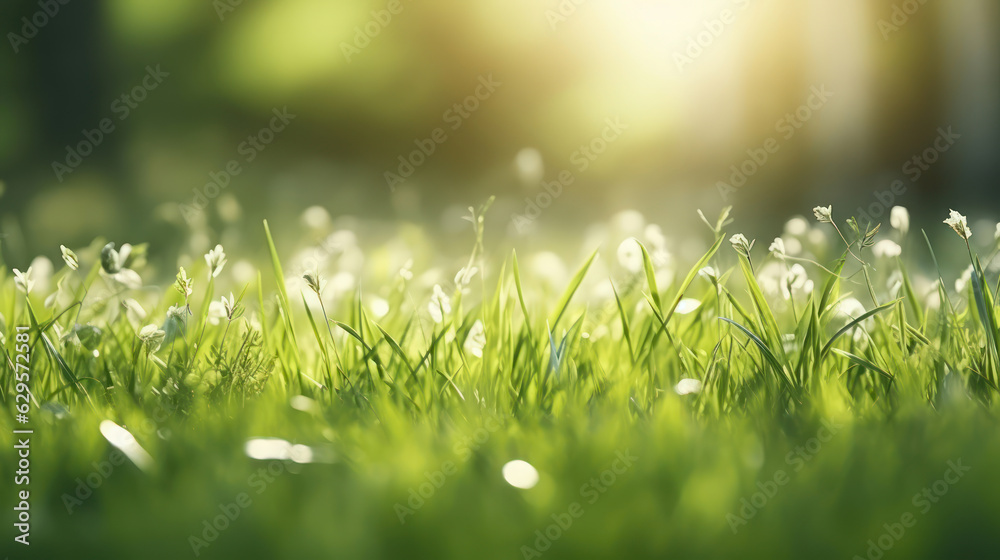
[777, 248]
[824, 215]
[741, 244]
[406, 273]
[465, 275]
[216, 260]
[476, 339]
[72, 261]
[960, 224]
[796, 280]
[630, 255]
[152, 336]
[216, 312]
[886, 248]
[899, 218]
[23, 280]
[440, 304]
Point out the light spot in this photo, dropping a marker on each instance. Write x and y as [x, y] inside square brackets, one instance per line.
[125, 441]
[687, 386]
[303, 403]
[687, 305]
[265, 449]
[520, 474]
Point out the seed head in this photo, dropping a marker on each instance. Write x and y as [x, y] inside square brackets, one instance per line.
[313, 280]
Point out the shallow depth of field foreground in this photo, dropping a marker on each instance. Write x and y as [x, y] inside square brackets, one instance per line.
[830, 394]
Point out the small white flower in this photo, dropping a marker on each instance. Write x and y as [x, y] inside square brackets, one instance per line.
[178, 312]
[152, 336]
[407, 271]
[741, 244]
[709, 274]
[777, 248]
[465, 275]
[216, 312]
[476, 339]
[886, 248]
[899, 218]
[23, 280]
[796, 280]
[824, 214]
[440, 304]
[70, 258]
[111, 261]
[630, 255]
[216, 260]
[184, 285]
[960, 224]
[687, 386]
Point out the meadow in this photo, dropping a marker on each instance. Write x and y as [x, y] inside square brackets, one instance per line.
[831, 394]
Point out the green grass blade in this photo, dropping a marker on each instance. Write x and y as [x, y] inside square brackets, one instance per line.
[568, 294]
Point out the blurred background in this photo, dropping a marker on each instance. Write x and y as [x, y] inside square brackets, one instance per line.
[410, 112]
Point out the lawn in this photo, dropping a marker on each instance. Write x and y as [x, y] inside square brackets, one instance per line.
[831, 395]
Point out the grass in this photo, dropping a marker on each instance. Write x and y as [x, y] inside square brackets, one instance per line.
[386, 426]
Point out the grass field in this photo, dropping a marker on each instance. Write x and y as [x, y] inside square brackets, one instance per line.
[832, 396]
